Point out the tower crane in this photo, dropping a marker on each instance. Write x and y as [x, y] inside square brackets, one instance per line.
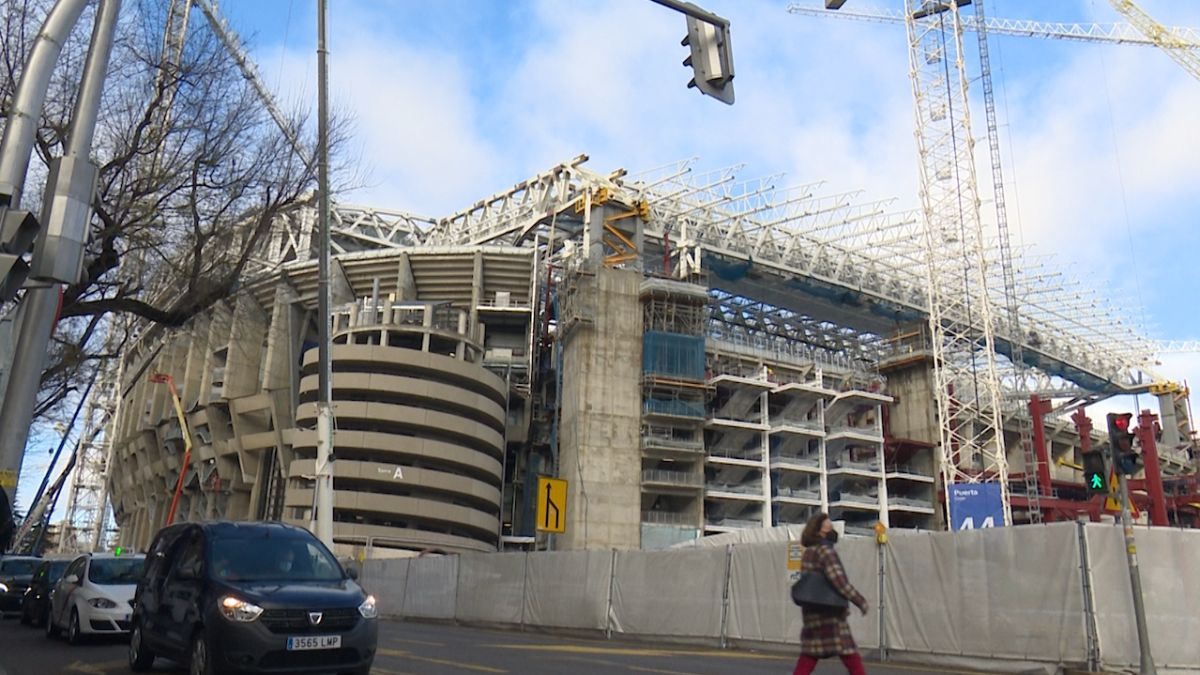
[961, 321]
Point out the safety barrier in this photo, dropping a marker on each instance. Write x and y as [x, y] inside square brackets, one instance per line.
[1006, 599]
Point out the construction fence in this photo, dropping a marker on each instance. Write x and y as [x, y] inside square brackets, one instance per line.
[1018, 599]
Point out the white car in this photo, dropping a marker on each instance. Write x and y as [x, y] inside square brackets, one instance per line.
[94, 596]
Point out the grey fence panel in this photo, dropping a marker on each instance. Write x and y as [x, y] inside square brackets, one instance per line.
[1170, 589]
[1005, 592]
[760, 602]
[674, 592]
[568, 589]
[385, 579]
[491, 587]
[431, 587]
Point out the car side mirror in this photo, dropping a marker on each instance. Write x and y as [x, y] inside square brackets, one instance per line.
[71, 579]
[352, 573]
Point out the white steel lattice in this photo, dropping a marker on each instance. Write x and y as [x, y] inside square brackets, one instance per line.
[966, 378]
[83, 523]
[1183, 48]
[1119, 33]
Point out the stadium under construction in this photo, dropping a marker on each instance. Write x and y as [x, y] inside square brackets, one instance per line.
[692, 354]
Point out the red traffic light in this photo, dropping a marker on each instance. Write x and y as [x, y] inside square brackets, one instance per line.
[1121, 421]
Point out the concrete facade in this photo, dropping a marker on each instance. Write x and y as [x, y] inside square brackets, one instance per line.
[601, 411]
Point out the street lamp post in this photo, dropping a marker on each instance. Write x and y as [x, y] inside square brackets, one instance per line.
[323, 508]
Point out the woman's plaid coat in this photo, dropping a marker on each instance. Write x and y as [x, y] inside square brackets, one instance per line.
[826, 632]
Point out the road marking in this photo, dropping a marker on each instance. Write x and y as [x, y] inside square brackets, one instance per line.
[925, 669]
[442, 662]
[380, 671]
[418, 642]
[659, 670]
[634, 651]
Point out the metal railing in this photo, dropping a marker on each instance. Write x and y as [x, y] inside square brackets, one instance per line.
[672, 477]
[740, 488]
[650, 441]
[668, 518]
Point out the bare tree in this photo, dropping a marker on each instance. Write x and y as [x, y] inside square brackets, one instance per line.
[193, 173]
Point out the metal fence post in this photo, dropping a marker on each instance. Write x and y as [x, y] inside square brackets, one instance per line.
[1091, 628]
[608, 612]
[725, 593]
[524, 590]
[404, 591]
[881, 548]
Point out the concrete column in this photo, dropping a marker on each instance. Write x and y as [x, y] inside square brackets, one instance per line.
[406, 287]
[599, 452]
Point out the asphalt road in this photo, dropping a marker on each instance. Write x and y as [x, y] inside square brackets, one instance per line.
[435, 649]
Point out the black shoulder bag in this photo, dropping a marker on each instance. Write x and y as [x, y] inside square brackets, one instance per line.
[814, 590]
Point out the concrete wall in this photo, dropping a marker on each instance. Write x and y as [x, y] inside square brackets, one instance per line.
[913, 414]
[601, 417]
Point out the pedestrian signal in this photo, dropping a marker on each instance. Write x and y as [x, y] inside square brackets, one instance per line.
[1095, 473]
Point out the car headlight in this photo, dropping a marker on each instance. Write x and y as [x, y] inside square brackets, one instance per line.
[102, 603]
[367, 608]
[236, 609]
[3, 588]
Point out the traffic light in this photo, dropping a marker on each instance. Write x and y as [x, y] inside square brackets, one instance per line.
[711, 59]
[18, 231]
[1125, 458]
[1095, 471]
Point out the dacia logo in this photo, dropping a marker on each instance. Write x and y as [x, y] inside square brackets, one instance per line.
[314, 618]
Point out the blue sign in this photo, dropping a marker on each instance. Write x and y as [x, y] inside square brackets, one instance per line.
[975, 505]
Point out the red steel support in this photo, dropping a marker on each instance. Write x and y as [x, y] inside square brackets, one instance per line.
[1084, 426]
[1037, 409]
[1154, 485]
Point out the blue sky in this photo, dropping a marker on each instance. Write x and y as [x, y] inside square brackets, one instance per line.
[457, 99]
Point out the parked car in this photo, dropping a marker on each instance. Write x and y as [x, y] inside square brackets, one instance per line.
[251, 597]
[36, 606]
[15, 574]
[94, 596]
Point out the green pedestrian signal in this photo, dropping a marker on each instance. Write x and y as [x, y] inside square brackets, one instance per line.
[1095, 471]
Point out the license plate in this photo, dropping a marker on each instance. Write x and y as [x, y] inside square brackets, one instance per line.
[304, 642]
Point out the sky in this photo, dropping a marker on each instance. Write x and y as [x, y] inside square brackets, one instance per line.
[455, 100]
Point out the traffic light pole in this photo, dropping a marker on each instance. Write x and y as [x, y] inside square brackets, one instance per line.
[66, 209]
[1135, 581]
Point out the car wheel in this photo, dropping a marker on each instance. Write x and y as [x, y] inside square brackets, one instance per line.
[201, 661]
[140, 656]
[51, 629]
[74, 633]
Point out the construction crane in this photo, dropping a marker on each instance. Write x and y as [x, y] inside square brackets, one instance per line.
[1181, 48]
[961, 320]
[1173, 39]
[948, 182]
[1034, 481]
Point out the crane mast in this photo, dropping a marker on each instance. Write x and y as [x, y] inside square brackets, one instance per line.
[1016, 354]
[961, 321]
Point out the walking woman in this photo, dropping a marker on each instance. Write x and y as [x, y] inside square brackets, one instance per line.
[826, 632]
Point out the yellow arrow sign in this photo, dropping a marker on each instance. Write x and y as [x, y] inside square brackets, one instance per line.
[551, 505]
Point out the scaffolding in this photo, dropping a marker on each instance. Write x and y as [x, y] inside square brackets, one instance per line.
[673, 408]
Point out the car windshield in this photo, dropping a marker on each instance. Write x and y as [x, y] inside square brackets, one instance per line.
[18, 567]
[115, 571]
[272, 559]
